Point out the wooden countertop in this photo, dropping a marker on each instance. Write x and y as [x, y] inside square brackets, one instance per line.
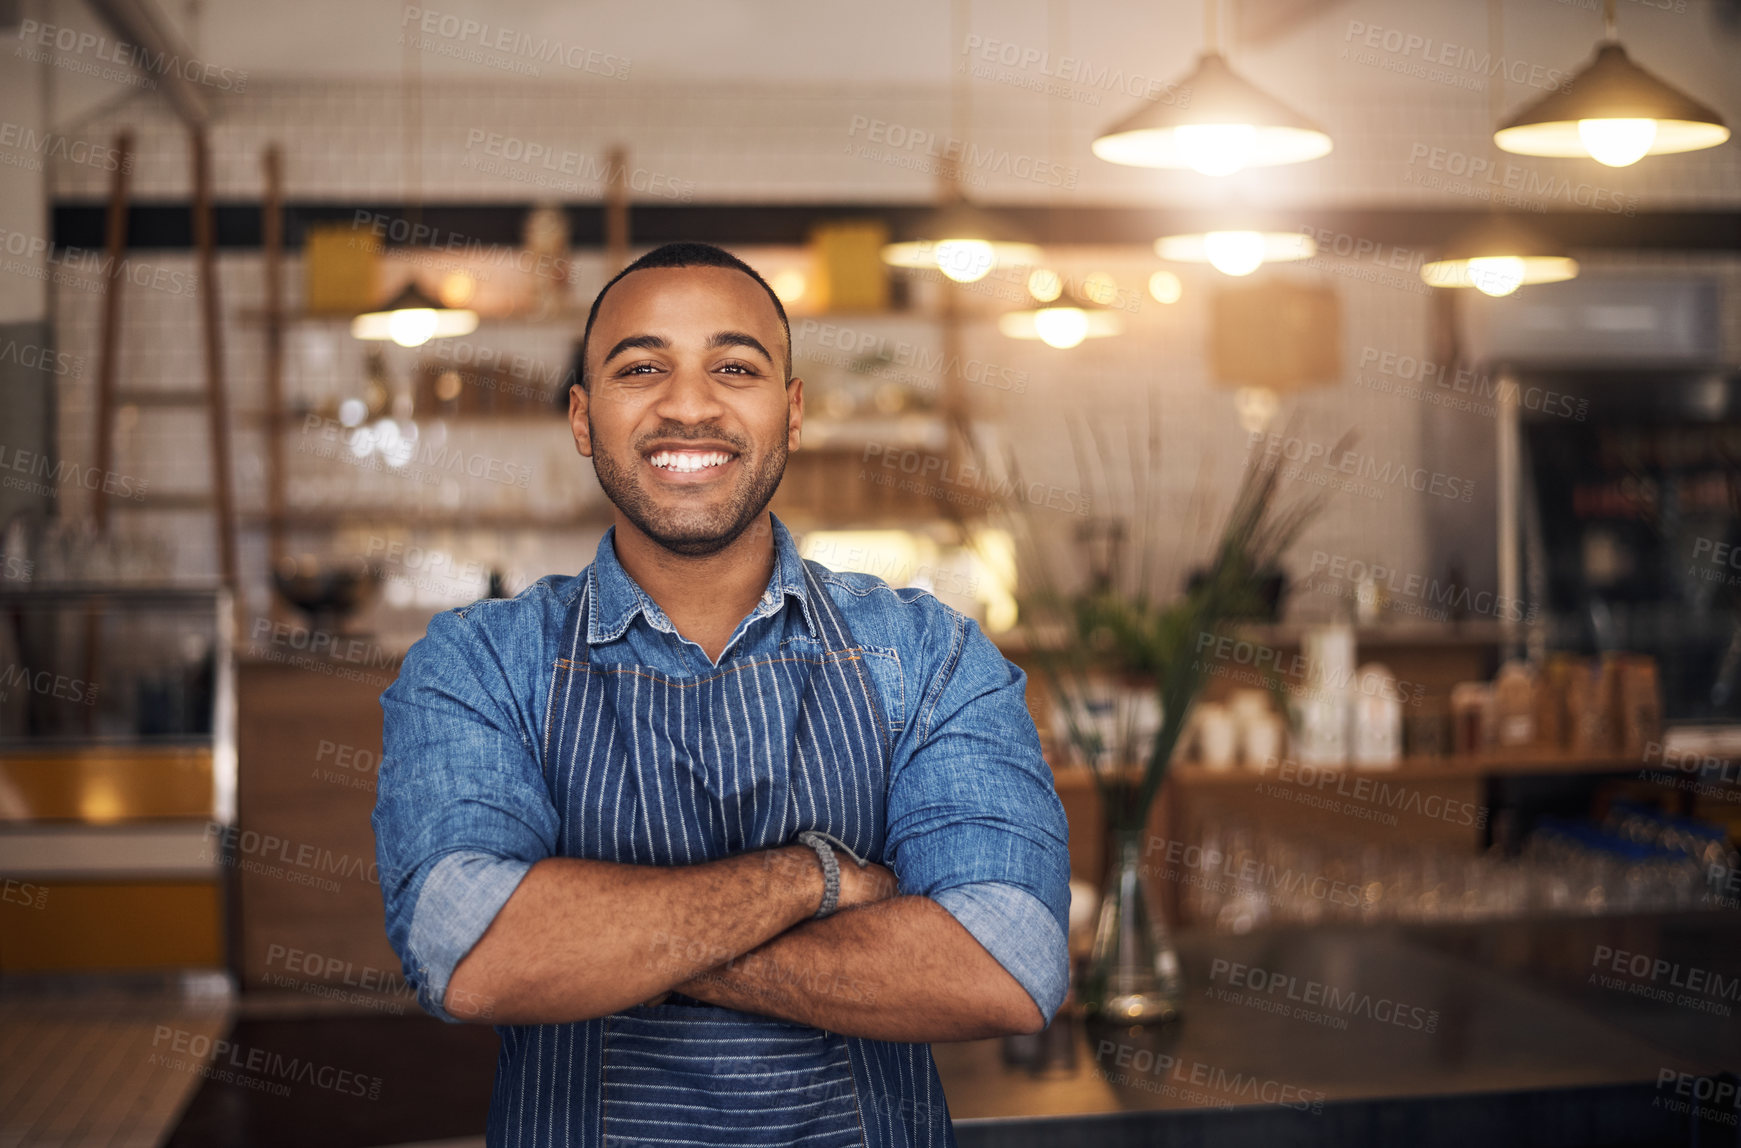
[1297, 1023]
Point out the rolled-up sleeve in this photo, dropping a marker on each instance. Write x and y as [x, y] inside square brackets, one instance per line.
[974, 820]
[461, 809]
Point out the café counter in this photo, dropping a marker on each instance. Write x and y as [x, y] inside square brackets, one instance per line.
[1527, 1032]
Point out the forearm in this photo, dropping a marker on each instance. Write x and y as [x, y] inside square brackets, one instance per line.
[580, 939]
[902, 970]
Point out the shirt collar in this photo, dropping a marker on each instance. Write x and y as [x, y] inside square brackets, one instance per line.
[616, 598]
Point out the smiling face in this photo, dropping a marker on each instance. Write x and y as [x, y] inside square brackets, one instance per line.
[687, 415]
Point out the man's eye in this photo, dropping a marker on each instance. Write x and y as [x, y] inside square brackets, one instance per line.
[740, 368]
[635, 368]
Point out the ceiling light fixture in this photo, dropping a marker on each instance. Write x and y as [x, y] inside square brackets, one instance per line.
[411, 318]
[1237, 253]
[965, 243]
[1063, 326]
[1228, 124]
[1613, 111]
[1498, 256]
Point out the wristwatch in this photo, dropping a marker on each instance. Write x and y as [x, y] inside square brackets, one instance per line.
[825, 845]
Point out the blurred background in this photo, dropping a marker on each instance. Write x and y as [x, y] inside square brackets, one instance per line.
[1426, 827]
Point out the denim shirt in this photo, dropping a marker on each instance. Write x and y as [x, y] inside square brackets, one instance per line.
[462, 811]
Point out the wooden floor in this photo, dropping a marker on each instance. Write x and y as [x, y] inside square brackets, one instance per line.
[111, 1061]
[83, 1064]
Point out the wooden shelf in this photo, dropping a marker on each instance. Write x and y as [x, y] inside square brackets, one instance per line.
[1523, 762]
[1430, 768]
[1482, 632]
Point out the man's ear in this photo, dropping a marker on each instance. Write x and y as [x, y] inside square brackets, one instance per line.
[794, 411]
[578, 398]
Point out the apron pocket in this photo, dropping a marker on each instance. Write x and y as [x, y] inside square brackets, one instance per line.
[680, 1075]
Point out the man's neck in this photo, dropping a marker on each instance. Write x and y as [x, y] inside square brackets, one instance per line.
[705, 596]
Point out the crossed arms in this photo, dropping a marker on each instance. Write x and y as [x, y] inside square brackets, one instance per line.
[580, 939]
[493, 925]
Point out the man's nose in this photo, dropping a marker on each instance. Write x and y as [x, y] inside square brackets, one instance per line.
[689, 396]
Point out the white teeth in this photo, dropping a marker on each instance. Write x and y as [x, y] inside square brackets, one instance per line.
[686, 460]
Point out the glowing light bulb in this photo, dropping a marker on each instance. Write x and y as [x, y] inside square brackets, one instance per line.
[965, 260]
[1496, 275]
[1234, 252]
[1100, 287]
[457, 289]
[1045, 284]
[1215, 149]
[789, 285]
[411, 327]
[1617, 143]
[1061, 327]
[1165, 287]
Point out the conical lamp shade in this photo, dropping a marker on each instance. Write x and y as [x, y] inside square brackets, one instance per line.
[1228, 124]
[1066, 319]
[1498, 256]
[411, 318]
[964, 242]
[1062, 325]
[1236, 251]
[1612, 87]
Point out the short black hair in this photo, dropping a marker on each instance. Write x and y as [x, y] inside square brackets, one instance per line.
[683, 255]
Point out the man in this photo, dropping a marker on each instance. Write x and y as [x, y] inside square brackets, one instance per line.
[592, 795]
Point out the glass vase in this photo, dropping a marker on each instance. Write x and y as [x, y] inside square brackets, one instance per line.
[1132, 975]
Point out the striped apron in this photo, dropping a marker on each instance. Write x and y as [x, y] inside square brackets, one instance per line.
[651, 768]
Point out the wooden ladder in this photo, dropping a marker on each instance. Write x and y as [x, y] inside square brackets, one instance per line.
[213, 396]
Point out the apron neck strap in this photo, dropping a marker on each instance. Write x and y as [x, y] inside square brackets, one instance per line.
[836, 636]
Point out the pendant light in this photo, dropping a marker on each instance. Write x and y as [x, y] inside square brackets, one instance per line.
[962, 241]
[1499, 254]
[1229, 124]
[1613, 111]
[1062, 325]
[1236, 253]
[1496, 257]
[1067, 314]
[1065, 319]
[412, 317]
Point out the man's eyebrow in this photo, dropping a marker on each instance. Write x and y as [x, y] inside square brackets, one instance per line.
[716, 341]
[722, 339]
[643, 342]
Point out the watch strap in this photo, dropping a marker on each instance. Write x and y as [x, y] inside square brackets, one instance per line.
[830, 871]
